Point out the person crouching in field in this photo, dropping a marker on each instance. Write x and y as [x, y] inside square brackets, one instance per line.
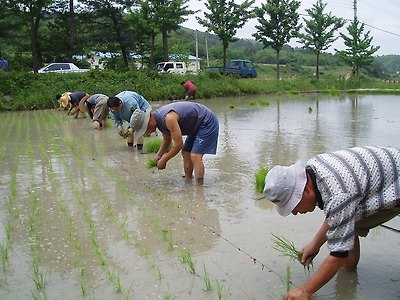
[72, 101]
[357, 188]
[175, 120]
[190, 89]
[97, 109]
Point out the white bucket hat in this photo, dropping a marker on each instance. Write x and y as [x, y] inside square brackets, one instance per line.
[284, 186]
[139, 121]
[64, 99]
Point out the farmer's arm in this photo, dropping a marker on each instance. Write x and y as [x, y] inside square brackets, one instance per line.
[312, 248]
[325, 272]
[171, 122]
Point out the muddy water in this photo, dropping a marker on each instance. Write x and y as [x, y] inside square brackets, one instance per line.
[84, 218]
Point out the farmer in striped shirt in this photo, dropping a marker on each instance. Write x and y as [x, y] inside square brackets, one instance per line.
[357, 188]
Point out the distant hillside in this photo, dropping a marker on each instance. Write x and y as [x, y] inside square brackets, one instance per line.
[184, 41]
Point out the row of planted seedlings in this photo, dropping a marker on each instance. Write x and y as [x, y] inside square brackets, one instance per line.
[35, 221]
[106, 265]
[22, 211]
[8, 123]
[166, 233]
[129, 237]
[69, 223]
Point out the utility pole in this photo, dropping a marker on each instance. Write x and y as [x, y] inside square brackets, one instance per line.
[355, 9]
[197, 52]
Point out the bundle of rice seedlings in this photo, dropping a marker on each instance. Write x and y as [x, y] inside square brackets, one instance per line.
[287, 248]
[151, 163]
[152, 146]
[260, 179]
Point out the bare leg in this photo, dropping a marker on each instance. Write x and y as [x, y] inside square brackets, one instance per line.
[187, 164]
[103, 123]
[354, 256]
[198, 166]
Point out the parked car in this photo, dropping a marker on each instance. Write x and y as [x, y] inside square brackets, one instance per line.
[61, 68]
[171, 67]
[240, 67]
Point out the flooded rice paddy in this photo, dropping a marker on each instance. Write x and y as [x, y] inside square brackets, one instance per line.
[81, 217]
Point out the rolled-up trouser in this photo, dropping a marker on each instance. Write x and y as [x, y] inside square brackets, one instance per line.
[363, 226]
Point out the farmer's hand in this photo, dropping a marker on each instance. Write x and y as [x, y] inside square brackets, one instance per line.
[161, 164]
[297, 294]
[123, 133]
[309, 252]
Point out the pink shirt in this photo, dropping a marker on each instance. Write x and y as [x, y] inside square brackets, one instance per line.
[189, 86]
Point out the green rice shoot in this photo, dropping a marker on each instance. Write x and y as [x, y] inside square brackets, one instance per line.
[152, 146]
[260, 179]
[151, 163]
[286, 248]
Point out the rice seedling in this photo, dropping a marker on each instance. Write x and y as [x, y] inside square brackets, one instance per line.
[39, 278]
[4, 256]
[167, 235]
[287, 248]
[263, 102]
[260, 179]
[219, 290]
[83, 287]
[207, 280]
[151, 163]
[288, 280]
[152, 146]
[187, 259]
[231, 106]
[310, 110]
[252, 102]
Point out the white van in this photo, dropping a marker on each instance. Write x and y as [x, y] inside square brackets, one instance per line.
[171, 67]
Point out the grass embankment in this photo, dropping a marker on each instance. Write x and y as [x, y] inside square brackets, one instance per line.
[22, 91]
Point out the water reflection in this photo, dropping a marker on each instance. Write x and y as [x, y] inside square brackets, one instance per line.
[89, 179]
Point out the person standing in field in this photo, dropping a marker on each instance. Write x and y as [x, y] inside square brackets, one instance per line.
[97, 109]
[175, 120]
[122, 106]
[357, 188]
[190, 89]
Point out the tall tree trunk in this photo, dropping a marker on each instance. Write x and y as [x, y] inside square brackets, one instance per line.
[151, 59]
[71, 35]
[36, 56]
[165, 46]
[121, 43]
[277, 65]
[224, 58]
[318, 65]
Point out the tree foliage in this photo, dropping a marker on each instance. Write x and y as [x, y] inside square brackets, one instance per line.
[278, 24]
[359, 51]
[319, 30]
[225, 18]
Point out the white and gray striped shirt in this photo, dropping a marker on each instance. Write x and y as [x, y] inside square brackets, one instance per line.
[355, 183]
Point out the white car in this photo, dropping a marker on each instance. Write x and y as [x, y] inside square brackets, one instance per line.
[61, 68]
[171, 67]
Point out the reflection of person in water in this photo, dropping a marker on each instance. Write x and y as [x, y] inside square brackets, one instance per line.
[358, 189]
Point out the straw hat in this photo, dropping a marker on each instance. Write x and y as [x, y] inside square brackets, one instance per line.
[64, 99]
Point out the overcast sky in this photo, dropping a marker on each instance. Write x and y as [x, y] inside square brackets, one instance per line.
[381, 18]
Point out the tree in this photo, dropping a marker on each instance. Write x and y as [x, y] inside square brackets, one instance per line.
[31, 12]
[278, 25]
[359, 49]
[224, 19]
[109, 14]
[320, 30]
[143, 23]
[169, 14]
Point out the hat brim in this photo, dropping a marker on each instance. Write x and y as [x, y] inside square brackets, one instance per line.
[301, 180]
[64, 100]
[82, 103]
[137, 134]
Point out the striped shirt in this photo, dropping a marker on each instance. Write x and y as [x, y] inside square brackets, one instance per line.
[354, 184]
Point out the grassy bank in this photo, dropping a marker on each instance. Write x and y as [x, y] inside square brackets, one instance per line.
[22, 91]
